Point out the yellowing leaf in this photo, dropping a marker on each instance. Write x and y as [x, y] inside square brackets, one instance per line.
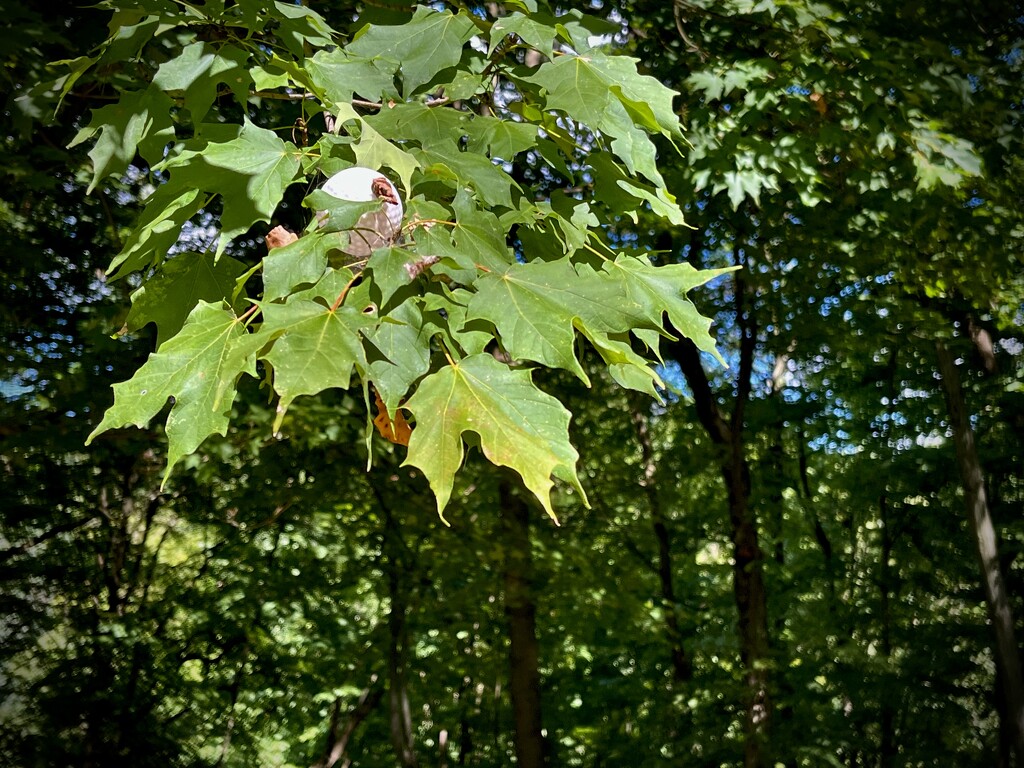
[397, 431]
[518, 426]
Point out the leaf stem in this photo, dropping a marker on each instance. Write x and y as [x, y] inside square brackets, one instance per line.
[249, 313]
[596, 252]
[344, 292]
[426, 222]
[448, 357]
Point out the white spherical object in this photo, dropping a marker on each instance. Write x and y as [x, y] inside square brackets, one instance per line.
[377, 228]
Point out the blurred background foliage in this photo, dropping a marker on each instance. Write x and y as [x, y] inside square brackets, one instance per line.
[777, 568]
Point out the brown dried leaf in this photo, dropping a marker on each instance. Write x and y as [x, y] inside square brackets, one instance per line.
[397, 431]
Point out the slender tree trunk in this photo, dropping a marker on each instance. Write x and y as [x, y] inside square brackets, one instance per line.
[338, 737]
[751, 603]
[682, 667]
[820, 534]
[748, 578]
[887, 716]
[400, 713]
[521, 612]
[1008, 664]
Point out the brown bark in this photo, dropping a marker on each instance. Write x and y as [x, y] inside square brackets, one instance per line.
[1008, 664]
[887, 715]
[748, 577]
[400, 712]
[682, 667]
[521, 612]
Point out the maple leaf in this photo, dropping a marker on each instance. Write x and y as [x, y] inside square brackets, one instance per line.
[250, 172]
[198, 368]
[167, 209]
[403, 342]
[300, 262]
[314, 347]
[167, 298]
[662, 290]
[517, 425]
[198, 70]
[422, 47]
[140, 120]
[538, 306]
[397, 431]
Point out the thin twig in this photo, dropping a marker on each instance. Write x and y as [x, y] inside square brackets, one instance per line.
[677, 12]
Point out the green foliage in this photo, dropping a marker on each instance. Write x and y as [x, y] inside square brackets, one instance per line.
[452, 157]
[198, 368]
[237, 617]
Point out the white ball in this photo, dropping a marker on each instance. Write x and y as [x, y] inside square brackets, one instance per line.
[377, 228]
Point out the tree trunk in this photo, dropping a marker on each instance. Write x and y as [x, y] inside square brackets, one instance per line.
[751, 603]
[748, 578]
[1008, 664]
[748, 575]
[400, 714]
[682, 667]
[337, 737]
[820, 534]
[521, 612]
[887, 714]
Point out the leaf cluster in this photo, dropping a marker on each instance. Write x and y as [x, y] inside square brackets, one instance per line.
[491, 278]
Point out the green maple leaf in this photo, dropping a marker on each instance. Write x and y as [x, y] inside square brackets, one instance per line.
[167, 298]
[537, 308]
[445, 315]
[139, 122]
[536, 30]
[573, 85]
[300, 27]
[500, 138]
[426, 125]
[314, 347]
[338, 74]
[662, 290]
[468, 169]
[299, 263]
[403, 341]
[420, 48]
[626, 367]
[250, 173]
[477, 238]
[607, 94]
[518, 426]
[157, 229]
[631, 144]
[392, 269]
[374, 151]
[199, 69]
[198, 368]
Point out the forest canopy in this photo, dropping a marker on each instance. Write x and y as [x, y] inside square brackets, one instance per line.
[699, 324]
